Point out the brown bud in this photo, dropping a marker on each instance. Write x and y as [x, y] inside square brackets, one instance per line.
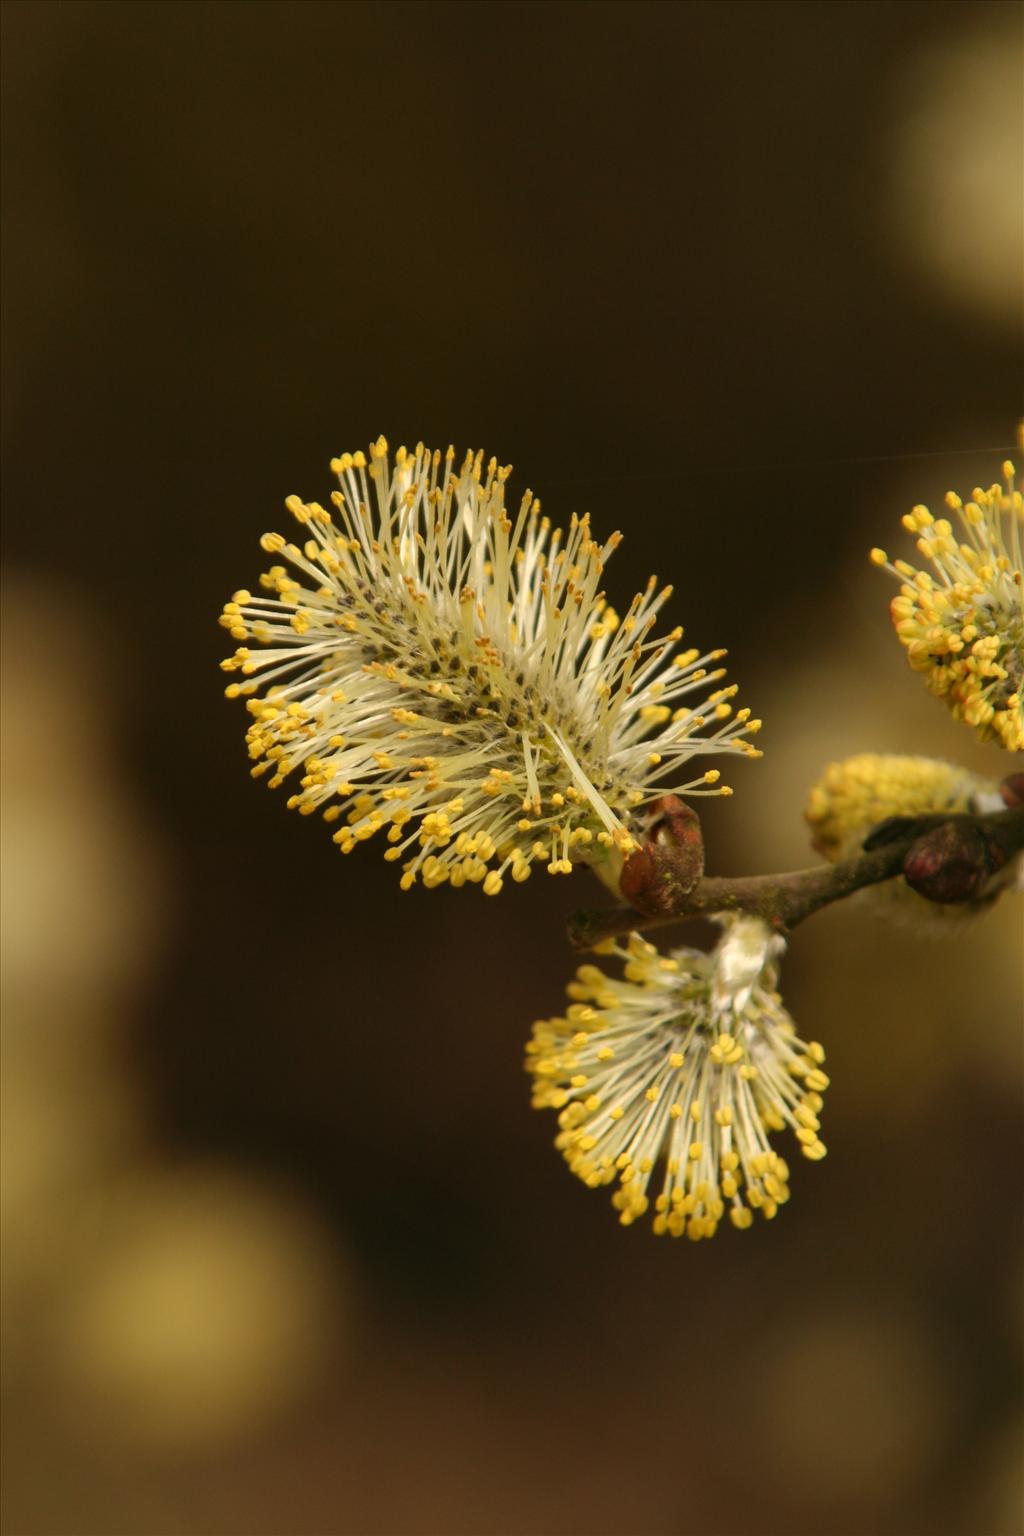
[952, 863]
[670, 859]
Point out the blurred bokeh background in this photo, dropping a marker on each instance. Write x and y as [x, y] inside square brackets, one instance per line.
[286, 1253]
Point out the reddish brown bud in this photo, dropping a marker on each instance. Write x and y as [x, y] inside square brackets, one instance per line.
[952, 863]
[670, 859]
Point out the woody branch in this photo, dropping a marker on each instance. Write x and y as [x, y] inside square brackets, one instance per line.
[945, 858]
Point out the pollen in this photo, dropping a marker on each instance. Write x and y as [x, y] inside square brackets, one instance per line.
[432, 667]
[707, 1067]
[963, 627]
[855, 795]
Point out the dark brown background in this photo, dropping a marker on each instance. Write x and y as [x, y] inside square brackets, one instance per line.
[679, 265]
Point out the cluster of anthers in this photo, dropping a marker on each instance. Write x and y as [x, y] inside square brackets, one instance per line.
[677, 1073]
[436, 669]
[963, 628]
[855, 795]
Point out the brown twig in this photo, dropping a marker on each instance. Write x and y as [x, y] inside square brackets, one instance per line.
[785, 900]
